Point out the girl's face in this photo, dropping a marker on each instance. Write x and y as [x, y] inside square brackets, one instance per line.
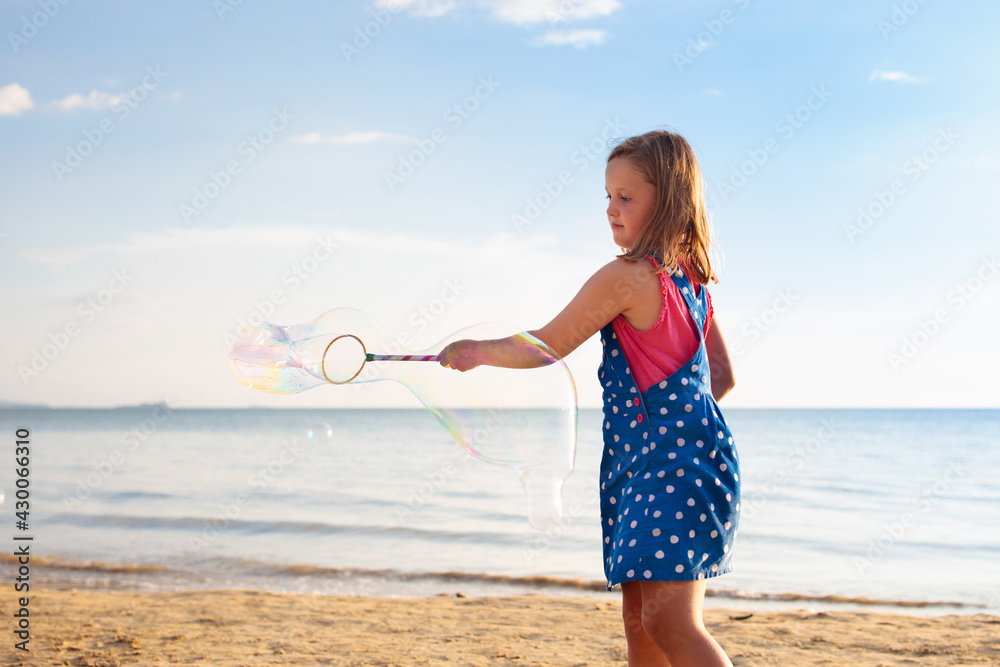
[631, 200]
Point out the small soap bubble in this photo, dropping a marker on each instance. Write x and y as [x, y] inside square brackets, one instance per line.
[521, 419]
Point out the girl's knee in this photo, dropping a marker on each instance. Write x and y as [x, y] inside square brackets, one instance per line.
[670, 628]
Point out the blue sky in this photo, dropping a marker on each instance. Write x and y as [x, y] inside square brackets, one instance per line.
[168, 167]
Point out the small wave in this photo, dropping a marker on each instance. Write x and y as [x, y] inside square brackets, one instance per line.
[54, 562]
[860, 601]
[267, 527]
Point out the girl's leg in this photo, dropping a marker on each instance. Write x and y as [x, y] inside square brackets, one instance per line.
[642, 652]
[671, 613]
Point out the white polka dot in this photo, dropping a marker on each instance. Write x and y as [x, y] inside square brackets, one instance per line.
[674, 539]
[612, 500]
[718, 483]
[728, 524]
[656, 532]
[650, 497]
[697, 397]
[715, 568]
[684, 380]
[670, 488]
[680, 424]
[694, 368]
[628, 448]
[720, 434]
[630, 573]
[663, 411]
[663, 385]
[607, 539]
[672, 455]
[656, 514]
[614, 408]
[638, 496]
[616, 437]
[688, 407]
[647, 574]
[632, 425]
[672, 397]
[680, 472]
[647, 475]
[700, 443]
[680, 442]
[631, 543]
[715, 533]
[725, 548]
[619, 559]
[614, 353]
[691, 533]
[729, 497]
[611, 522]
[697, 481]
[679, 515]
[703, 517]
[659, 554]
[679, 569]
[690, 502]
[690, 553]
[663, 429]
[645, 450]
[704, 421]
[696, 461]
[661, 474]
[722, 467]
[633, 524]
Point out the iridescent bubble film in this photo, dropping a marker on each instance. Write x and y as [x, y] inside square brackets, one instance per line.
[522, 419]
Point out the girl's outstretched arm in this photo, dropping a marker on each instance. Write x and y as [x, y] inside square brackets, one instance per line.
[608, 293]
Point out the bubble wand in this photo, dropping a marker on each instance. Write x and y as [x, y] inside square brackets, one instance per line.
[368, 356]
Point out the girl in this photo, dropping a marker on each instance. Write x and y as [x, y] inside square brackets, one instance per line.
[670, 491]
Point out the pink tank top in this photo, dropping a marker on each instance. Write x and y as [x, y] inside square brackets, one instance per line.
[655, 354]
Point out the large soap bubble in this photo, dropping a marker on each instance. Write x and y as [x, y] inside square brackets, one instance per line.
[493, 413]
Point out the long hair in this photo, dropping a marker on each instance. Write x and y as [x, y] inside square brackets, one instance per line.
[678, 230]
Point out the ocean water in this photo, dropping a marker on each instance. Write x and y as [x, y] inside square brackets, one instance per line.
[874, 509]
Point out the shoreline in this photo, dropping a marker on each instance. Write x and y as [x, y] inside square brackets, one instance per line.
[62, 574]
[246, 627]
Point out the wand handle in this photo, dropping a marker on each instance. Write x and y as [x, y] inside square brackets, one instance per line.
[401, 357]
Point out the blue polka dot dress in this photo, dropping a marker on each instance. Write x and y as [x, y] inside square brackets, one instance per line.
[670, 485]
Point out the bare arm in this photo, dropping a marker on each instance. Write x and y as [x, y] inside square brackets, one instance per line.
[719, 361]
[605, 295]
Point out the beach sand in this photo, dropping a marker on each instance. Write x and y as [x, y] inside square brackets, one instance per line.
[230, 627]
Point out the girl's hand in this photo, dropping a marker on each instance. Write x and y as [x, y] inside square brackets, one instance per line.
[460, 355]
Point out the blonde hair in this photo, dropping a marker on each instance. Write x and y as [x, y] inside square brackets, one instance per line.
[679, 229]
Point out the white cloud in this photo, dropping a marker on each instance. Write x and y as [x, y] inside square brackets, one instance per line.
[714, 92]
[579, 39]
[425, 8]
[518, 12]
[95, 100]
[14, 99]
[896, 77]
[527, 12]
[350, 138]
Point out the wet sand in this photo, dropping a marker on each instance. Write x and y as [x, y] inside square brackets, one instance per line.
[237, 628]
